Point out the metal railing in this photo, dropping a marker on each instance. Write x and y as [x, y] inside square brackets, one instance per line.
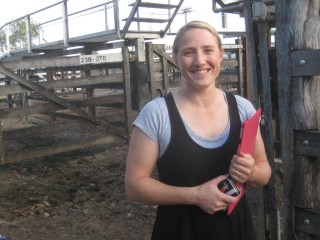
[109, 10]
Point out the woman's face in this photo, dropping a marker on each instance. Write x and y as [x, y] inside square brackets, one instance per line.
[199, 58]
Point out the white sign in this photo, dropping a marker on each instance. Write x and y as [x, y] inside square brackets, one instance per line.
[100, 58]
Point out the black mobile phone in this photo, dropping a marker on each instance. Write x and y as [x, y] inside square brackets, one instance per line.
[228, 186]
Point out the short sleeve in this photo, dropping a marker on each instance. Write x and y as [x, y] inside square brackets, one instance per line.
[151, 119]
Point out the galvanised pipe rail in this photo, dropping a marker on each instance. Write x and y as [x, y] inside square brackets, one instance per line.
[65, 18]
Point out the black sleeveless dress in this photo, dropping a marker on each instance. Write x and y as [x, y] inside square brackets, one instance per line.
[187, 164]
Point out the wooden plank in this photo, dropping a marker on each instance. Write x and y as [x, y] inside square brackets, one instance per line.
[164, 69]
[127, 92]
[162, 53]
[285, 119]
[240, 72]
[41, 90]
[53, 128]
[307, 143]
[270, 192]
[252, 93]
[65, 147]
[52, 107]
[305, 62]
[43, 130]
[150, 61]
[307, 221]
[51, 62]
[2, 151]
[65, 83]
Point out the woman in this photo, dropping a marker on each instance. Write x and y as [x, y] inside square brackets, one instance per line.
[192, 136]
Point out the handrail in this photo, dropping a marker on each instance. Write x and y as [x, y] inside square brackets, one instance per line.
[65, 17]
[40, 10]
[71, 14]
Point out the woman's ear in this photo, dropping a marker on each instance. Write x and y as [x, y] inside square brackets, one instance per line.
[221, 53]
[175, 58]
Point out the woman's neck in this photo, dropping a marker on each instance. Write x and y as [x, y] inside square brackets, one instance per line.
[204, 98]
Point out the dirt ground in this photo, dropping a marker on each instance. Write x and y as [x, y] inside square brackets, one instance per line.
[75, 195]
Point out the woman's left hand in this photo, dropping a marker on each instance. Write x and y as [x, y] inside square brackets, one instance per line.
[242, 167]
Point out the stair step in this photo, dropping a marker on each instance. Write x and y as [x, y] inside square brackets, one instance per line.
[148, 20]
[155, 5]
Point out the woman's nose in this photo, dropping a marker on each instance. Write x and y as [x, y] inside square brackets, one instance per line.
[199, 59]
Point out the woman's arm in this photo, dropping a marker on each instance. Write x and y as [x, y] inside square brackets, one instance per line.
[140, 186]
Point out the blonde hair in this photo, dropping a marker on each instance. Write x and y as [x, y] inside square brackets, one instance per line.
[195, 24]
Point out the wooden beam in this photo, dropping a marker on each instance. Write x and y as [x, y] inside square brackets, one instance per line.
[45, 92]
[2, 152]
[53, 107]
[269, 190]
[163, 54]
[285, 118]
[65, 83]
[150, 65]
[53, 62]
[127, 92]
[65, 147]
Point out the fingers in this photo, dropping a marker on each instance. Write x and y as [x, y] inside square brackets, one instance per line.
[211, 199]
[241, 167]
[238, 175]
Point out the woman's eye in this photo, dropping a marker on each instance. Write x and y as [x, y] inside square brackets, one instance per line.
[188, 53]
[209, 50]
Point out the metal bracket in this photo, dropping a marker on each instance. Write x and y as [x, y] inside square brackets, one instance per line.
[307, 143]
[305, 62]
[307, 221]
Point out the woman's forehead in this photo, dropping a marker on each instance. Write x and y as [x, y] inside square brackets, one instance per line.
[198, 36]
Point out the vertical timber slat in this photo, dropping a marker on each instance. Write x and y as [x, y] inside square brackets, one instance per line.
[269, 190]
[150, 63]
[240, 72]
[2, 153]
[127, 91]
[251, 56]
[285, 121]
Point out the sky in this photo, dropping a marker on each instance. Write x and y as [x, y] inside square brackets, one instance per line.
[12, 9]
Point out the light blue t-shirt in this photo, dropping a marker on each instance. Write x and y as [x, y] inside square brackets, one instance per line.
[154, 121]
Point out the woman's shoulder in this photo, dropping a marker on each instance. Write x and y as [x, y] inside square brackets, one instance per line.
[153, 118]
[246, 108]
[154, 106]
[152, 113]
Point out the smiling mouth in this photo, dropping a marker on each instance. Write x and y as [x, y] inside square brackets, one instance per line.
[200, 72]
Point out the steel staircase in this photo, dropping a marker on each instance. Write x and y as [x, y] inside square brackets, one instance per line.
[141, 6]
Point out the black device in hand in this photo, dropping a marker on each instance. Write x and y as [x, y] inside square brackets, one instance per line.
[228, 186]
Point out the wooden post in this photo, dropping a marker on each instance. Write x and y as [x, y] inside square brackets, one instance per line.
[2, 153]
[269, 190]
[89, 89]
[127, 92]
[298, 28]
[150, 63]
[251, 56]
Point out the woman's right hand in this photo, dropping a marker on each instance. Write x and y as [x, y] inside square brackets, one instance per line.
[211, 199]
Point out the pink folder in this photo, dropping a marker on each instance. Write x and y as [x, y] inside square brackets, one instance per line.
[248, 139]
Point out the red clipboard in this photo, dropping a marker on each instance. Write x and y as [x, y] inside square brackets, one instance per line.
[249, 132]
[248, 138]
